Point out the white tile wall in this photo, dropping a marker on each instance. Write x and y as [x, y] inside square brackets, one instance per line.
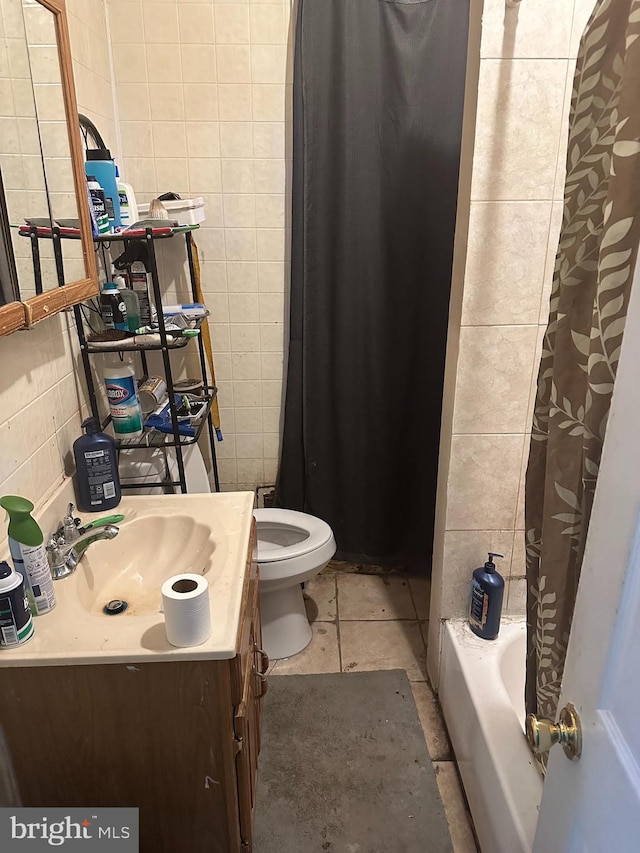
[526, 71]
[41, 396]
[203, 112]
[42, 408]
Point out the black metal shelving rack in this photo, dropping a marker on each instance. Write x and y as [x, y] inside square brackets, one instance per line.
[156, 439]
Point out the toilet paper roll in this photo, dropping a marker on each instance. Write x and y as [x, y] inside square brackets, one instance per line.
[185, 601]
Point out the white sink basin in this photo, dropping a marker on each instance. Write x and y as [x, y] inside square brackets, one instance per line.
[161, 536]
[123, 569]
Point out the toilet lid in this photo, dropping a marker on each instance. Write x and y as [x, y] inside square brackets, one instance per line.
[309, 531]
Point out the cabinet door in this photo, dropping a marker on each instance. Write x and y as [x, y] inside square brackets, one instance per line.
[241, 664]
[262, 667]
[246, 758]
[248, 720]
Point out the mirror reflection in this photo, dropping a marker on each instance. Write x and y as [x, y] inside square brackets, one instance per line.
[35, 155]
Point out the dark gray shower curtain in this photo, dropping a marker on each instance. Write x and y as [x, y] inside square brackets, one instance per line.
[378, 102]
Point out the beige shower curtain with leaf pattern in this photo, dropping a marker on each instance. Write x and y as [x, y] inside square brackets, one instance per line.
[591, 285]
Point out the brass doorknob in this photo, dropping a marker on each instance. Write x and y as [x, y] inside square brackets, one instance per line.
[543, 734]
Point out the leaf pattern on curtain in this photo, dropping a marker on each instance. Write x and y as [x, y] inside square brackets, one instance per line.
[588, 305]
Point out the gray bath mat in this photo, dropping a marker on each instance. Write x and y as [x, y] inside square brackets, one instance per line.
[344, 768]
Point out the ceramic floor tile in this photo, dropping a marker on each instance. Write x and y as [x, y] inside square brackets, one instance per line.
[430, 715]
[374, 597]
[455, 808]
[424, 628]
[320, 598]
[421, 592]
[383, 645]
[321, 655]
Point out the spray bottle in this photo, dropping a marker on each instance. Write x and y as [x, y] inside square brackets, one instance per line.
[141, 284]
[28, 554]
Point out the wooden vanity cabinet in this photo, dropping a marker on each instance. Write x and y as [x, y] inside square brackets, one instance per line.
[178, 739]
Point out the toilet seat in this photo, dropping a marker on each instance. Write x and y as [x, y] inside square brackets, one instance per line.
[313, 533]
[292, 547]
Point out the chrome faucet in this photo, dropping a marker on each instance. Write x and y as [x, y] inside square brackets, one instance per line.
[64, 556]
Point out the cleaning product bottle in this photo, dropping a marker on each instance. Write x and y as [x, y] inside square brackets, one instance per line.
[487, 592]
[97, 469]
[131, 301]
[28, 554]
[101, 166]
[16, 624]
[128, 204]
[124, 403]
[95, 230]
[113, 307]
[141, 284]
[98, 205]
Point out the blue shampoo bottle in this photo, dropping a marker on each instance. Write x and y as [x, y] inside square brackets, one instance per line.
[97, 468]
[487, 593]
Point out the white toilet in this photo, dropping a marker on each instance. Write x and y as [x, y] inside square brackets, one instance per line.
[292, 548]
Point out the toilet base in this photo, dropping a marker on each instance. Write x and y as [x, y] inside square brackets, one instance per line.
[285, 627]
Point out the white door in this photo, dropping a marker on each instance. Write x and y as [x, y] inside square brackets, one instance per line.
[592, 805]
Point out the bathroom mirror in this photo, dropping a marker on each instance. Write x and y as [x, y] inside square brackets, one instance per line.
[47, 260]
[12, 315]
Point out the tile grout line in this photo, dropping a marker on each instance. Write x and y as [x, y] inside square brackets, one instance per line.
[413, 601]
[335, 582]
[418, 620]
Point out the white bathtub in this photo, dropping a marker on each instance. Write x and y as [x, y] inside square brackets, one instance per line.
[482, 697]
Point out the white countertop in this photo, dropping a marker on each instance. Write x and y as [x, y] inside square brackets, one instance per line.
[77, 632]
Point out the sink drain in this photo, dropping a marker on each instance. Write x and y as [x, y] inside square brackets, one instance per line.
[115, 606]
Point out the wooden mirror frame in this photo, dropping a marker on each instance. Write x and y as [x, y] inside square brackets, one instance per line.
[18, 315]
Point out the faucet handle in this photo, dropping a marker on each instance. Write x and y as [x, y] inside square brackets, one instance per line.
[69, 526]
[54, 556]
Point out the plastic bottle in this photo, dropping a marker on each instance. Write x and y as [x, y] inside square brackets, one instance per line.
[16, 624]
[113, 307]
[128, 204]
[139, 277]
[124, 403]
[101, 166]
[97, 469]
[130, 299]
[487, 592]
[98, 204]
[28, 554]
[95, 231]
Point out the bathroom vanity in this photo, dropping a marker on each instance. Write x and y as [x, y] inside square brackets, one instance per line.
[174, 732]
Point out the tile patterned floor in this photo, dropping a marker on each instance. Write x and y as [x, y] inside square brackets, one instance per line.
[379, 621]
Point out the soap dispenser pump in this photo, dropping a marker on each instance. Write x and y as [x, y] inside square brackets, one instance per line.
[487, 593]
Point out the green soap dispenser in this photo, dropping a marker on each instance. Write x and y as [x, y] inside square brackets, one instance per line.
[487, 592]
[28, 554]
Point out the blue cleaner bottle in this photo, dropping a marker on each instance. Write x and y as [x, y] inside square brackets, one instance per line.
[487, 593]
[97, 469]
[101, 166]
